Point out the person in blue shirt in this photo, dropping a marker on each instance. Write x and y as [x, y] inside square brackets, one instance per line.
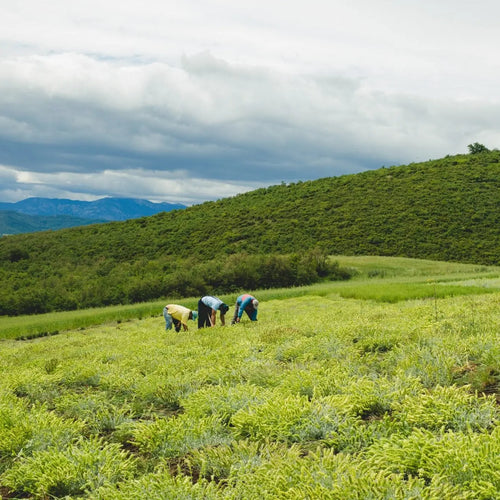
[207, 311]
[245, 303]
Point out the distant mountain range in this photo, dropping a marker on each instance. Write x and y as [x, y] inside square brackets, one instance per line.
[40, 214]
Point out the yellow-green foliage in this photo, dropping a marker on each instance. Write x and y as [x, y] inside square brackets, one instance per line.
[82, 467]
[324, 397]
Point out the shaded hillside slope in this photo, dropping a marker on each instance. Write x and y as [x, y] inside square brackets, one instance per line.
[447, 209]
[16, 223]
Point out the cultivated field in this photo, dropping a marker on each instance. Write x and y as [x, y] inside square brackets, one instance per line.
[382, 387]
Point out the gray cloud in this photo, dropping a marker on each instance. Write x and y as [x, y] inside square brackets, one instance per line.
[189, 104]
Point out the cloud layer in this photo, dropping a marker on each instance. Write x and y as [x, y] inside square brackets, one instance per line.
[208, 99]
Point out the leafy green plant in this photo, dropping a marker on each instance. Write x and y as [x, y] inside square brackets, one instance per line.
[222, 401]
[25, 430]
[220, 463]
[453, 408]
[95, 410]
[79, 468]
[465, 459]
[286, 419]
[159, 485]
[174, 437]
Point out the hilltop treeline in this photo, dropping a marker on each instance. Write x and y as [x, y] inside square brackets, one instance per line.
[447, 209]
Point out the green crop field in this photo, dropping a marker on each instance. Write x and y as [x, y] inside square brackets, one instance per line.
[385, 386]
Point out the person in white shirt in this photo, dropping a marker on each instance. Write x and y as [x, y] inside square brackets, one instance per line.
[207, 311]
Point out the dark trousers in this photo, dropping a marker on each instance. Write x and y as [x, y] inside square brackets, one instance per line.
[204, 315]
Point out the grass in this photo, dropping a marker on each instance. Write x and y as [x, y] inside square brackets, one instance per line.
[26, 327]
[389, 267]
[326, 396]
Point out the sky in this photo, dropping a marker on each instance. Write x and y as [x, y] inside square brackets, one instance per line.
[198, 100]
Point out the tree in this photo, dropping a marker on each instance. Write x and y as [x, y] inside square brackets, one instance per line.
[476, 148]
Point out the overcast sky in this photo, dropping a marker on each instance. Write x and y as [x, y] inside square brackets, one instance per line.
[195, 100]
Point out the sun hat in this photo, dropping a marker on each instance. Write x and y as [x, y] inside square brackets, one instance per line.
[255, 303]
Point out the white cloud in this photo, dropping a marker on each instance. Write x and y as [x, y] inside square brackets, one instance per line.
[156, 186]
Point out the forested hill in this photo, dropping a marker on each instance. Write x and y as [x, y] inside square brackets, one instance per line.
[447, 209]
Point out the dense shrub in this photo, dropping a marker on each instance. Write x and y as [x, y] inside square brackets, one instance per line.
[126, 284]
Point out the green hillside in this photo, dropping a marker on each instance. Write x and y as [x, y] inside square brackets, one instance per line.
[15, 223]
[445, 209]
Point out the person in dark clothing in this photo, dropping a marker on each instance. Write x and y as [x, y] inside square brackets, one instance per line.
[207, 311]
